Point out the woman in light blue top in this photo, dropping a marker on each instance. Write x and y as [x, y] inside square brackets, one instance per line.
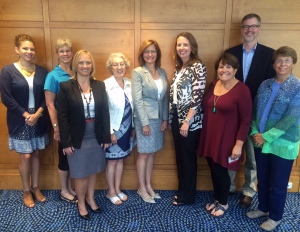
[276, 134]
[150, 100]
[118, 90]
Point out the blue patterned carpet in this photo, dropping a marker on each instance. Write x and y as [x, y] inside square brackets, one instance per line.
[134, 215]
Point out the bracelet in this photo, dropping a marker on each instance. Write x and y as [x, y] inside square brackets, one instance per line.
[55, 125]
[41, 114]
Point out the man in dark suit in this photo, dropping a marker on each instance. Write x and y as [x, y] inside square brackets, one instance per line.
[255, 66]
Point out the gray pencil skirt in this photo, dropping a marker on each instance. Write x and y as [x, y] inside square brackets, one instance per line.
[90, 158]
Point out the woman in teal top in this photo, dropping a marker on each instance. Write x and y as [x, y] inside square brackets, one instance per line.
[276, 133]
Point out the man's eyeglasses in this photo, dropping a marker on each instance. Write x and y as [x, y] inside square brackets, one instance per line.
[252, 27]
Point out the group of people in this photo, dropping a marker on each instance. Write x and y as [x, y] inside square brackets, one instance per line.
[253, 104]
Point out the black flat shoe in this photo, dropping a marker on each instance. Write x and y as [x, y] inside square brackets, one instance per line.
[98, 210]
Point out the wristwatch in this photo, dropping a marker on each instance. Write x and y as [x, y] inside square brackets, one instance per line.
[187, 120]
[55, 125]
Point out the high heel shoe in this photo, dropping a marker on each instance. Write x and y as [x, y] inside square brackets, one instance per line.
[156, 196]
[84, 217]
[98, 210]
[148, 200]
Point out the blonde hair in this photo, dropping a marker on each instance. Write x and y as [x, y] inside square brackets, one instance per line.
[117, 55]
[63, 42]
[76, 61]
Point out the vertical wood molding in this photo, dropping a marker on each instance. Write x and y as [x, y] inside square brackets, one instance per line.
[137, 29]
[227, 25]
[46, 20]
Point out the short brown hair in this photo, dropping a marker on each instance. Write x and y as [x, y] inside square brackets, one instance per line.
[229, 59]
[144, 46]
[285, 51]
[251, 16]
[76, 61]
[21, 38]
[194, 50]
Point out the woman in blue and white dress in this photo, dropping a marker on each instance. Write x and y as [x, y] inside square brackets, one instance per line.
[118, 90]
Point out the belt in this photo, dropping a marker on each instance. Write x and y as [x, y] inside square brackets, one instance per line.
[90, 120]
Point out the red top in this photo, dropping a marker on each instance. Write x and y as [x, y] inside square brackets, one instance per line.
[231, 121]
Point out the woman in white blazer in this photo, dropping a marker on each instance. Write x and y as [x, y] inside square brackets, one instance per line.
[150, 100]
[118, 90]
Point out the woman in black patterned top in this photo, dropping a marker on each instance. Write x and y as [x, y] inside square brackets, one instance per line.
[185, 116]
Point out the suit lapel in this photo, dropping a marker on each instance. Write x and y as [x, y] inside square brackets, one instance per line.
[150, 80]
[77, 94]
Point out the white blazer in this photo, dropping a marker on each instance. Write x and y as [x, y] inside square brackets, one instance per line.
[116, 100]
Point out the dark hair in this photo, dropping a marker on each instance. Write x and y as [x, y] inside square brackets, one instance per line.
[21, 38]
[229, 59]
[251, 16]
[285, 51]
[194, 50]
[144, 46]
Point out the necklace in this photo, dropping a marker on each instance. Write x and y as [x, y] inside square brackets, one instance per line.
[86, 101]
[26, 71]
[152, 72]
[216, 98]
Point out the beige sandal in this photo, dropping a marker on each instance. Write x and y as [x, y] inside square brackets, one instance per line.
[38, 194]
[27, 198]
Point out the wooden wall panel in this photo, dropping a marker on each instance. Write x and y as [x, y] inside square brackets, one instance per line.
[183, 12]
[102, 27]
[271, 11]
[21, 10]
[100, 43]
[91, 11]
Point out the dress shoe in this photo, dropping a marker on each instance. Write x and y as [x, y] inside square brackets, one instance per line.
[148, 200]
[245, 201]
[98, 210]
[84, 217]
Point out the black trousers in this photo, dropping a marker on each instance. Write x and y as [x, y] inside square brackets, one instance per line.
[221, 181]
[186, 160]
[63, 164]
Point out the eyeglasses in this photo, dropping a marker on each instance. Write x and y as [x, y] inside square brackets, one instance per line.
[115, 65]
[150, 51]
[286, 61]
[252, 27]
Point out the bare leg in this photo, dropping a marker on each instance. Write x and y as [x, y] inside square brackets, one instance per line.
[24, 169]
[118, 175]
[110, 179]
[81, 186]
[64, 177]
[35, 168]
[91, 191]
[149, 169]
[141, 165]
[70, 188]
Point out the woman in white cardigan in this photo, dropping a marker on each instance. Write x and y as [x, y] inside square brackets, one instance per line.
[118, 90]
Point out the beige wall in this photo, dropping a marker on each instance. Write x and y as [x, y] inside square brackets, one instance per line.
[109, 26]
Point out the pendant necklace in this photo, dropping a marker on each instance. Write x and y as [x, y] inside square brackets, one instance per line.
[216, 98]
[86, 101]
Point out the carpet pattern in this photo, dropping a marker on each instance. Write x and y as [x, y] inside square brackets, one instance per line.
[135, 214]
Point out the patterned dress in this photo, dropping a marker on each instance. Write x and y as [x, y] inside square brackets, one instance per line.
[124, 142]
